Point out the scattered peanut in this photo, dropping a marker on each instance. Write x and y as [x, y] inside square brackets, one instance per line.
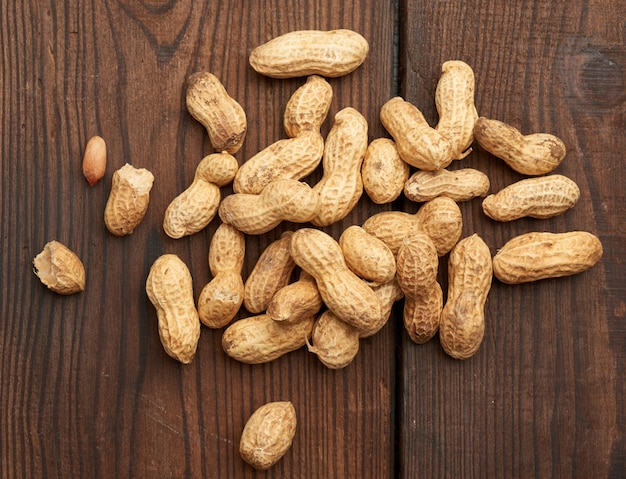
[454, 99]
[418, 143]
[128, 199]
[534, 154]
[335, 342]
[192, 210]
[298, 53]
[383, 171]
[308, 107]
[271, 272]
[281, 200]
[540, 255]
[268, 434]
[296, 300]
[542, 197]
[170, 289]
[341, 185]
[60, 269]
[460, 185]
[221, 298]
[224, 119]
[367, 256]
[418, 265]
[95, 160]
[260, 339]
[462, 325]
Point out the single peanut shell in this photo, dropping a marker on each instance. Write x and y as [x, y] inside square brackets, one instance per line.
[331, 54]
[462, 325]
[260, 339]
[268, 434]
[460, 185]
[418, 143]
[391, 227]
[226, 250]
[542, 197]
[60, 269]
[367, 256]
[308, 107]
[128, 199]
[170, 289]
[532, 155]
[224, 119]
[540, 255]
[296, 300]
[334, 341]
[441, 219]
[383, 171]
[95, 160]
[218, 168]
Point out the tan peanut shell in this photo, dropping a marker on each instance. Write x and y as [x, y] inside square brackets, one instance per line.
[391, 227]
[170, 289]
[541, 197]
[192, 210]
[292, 158]
[331, 54]
[210, 104]
[462, 325]
[94, 160]
[128, 199]
[271, 272]
[333, 341]
[418, 265]
[296, 300]
[539, 255]
[222, 297]
[341, 185]
[281, 200]
[367, 256]
[533, 154]
[268, 434]
[454, 98]
[383, 172]
[343, 292]
[461, 185]
[418, 143]
[59, 268]
[388, 293]
[260, 339]
[308, 107]
[441, 219]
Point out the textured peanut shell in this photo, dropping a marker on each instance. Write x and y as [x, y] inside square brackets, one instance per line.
[341, 185]
[418, 265]
[454, 98]
[460, 185]
[296, 300]
[343, 292]
[441, 219]
[226, 250]
[383, 171]
[210, 104]
[331, 54]
[308, 107]
[418, 143]
[94, 160]
[292, 158]
[367, 256]
[462, 325]
[59, 268]
[533, 154]
[391, 227]
[271, 272]
[542, 197]
[260, 339]
[268, 434]
[333, 341]
[169, 287]
[540, 255]
[128, 199]
[281, 200]
[388, 293]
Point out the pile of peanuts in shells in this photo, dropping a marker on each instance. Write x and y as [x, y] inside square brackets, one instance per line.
[346, 289]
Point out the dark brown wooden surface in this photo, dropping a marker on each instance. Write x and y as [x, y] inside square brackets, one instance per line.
[86, 389]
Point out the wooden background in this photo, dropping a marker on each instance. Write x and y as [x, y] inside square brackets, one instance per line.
[86, 389]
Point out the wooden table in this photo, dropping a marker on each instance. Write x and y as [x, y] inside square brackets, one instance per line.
[86, 389]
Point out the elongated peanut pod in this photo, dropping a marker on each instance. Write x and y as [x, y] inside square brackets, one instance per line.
[308, 107]
[383, 171]
[367, 256]
[460, 185]
[334, 341]
[296, 301]
[298, 53]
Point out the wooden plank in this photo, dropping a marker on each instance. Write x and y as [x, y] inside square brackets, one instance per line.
[543, 397]
[87, 390]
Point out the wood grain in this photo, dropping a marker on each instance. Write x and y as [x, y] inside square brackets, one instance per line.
[86, 389]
